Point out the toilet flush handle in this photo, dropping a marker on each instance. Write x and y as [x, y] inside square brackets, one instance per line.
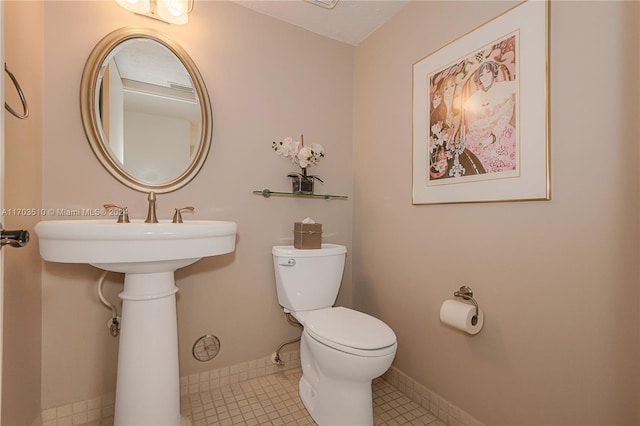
[287, 261]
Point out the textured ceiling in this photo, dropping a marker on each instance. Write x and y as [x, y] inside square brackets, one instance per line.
[350, 21]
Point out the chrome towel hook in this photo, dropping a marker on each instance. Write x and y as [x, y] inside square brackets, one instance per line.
[467, 294]
[25, 108]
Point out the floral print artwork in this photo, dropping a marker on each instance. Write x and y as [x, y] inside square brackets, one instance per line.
[473, 115]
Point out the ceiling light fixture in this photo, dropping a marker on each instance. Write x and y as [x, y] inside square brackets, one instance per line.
[171, 11]
[327, 4]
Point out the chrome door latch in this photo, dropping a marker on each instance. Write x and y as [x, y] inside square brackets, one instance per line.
[18, 238]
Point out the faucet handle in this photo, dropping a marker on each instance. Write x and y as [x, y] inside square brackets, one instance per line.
[177, 217]
[123, 212]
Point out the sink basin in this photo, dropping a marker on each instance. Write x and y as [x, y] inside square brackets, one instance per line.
[148, 382]
[134, 247]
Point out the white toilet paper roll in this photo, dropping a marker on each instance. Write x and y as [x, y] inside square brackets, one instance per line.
[460, 315]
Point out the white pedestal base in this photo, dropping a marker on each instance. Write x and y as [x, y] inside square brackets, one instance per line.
[148, 386]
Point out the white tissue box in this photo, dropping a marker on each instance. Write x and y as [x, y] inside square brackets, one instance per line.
[307, 235]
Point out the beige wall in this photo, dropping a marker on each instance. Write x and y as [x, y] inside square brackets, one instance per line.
[558, 280]
[23, 28]
[267, 80]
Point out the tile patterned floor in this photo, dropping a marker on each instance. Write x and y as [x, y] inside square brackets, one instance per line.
[273, 400]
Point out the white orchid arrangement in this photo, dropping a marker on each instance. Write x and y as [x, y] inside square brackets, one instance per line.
[300, 155]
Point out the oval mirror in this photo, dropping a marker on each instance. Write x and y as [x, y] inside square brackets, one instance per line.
[145, 110]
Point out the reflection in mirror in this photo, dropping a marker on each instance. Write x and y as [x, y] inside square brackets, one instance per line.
[145, 110]
[147, 95]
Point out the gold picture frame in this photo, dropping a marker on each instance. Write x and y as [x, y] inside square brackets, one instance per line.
[481, 113]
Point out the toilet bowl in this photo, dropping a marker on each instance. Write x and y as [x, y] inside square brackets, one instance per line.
[341, 350]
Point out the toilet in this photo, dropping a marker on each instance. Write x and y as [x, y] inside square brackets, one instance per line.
[341, 350]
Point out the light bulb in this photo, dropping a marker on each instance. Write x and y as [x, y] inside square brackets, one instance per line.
[136, 6]
[173, 11]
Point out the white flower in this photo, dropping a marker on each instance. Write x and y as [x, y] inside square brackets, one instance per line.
[304, 156]
[290, 147]
[300, 155]
[317, 151]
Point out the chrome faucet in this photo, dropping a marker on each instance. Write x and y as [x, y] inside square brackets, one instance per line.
[151, 212]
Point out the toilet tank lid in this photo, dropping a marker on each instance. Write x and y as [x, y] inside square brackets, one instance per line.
[349, 328]
[325, 250]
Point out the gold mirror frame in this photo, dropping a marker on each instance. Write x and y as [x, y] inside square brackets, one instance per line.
[89, 88]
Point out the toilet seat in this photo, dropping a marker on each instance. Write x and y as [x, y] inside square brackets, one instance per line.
[350, 331]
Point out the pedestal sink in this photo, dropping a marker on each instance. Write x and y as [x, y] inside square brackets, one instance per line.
[148, 384]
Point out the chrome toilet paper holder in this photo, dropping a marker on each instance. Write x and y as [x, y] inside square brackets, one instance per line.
[467, 294]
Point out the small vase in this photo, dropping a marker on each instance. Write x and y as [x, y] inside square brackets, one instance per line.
[302, 184]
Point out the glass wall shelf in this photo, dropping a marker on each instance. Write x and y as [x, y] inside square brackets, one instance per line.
[266, 193]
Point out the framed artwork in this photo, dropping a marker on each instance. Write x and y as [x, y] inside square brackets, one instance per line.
[480, 113]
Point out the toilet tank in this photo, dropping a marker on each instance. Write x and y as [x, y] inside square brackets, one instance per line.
[308, 279]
